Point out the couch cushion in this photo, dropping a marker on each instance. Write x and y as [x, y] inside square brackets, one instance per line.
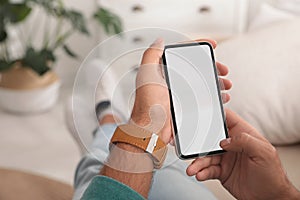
[265, 70]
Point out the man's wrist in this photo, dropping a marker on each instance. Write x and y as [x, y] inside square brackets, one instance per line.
[145, 139]
[131, 166]
[129, 158]
[144, 122]
[130, 148]
[139, 119]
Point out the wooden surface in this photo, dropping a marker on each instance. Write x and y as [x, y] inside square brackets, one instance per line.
[21, 185]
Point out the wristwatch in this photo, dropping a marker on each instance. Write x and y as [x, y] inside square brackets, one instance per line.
[143, 139]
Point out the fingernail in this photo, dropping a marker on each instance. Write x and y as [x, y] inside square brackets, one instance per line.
[158, 43]
[225, 142]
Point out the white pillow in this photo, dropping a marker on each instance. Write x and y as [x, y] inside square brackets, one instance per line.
[265, 70]
[267, 15]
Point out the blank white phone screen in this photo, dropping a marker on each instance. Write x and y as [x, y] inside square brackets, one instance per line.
[196, 101]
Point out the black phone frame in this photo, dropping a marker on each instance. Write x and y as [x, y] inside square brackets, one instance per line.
[175, 130]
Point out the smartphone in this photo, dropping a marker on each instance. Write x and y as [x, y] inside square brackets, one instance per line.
[198, 117]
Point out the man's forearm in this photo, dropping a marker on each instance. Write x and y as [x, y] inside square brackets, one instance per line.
[131, 166]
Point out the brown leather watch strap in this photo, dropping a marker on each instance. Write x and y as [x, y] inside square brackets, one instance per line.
[141, 138]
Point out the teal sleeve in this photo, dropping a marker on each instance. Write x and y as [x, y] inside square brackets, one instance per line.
[102, 187]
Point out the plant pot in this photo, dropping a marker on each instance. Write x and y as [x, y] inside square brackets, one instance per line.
[24, 91]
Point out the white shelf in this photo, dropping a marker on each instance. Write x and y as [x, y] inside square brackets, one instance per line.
[214, 18]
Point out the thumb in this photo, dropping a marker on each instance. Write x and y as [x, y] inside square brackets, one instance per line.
[153, 54]
[244, 143]
[150, 70]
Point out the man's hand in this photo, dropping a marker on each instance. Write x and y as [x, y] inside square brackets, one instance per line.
[152, 105]
[151, 111]
[251, 169]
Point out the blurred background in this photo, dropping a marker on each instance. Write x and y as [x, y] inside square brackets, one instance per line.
[43, 43]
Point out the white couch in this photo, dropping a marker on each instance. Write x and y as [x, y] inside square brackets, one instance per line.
[265, 68]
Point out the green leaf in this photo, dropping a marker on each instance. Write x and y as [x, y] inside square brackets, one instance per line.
[56, 9]
[17, 12]
[69, 51]
[36, 60]
[77, 20]
[117, 27]
[48, 55]
[111, 23]
[52, 7]
[45, 4]
[4, 65]
[3, 35]
[2, 2]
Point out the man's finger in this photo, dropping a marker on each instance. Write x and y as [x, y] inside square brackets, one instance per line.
[201, 163]
[222, 69]
[150, 70]
[212, 172]
[210, 41]
[154, 53]
[225, 84]
[225, 97]
[246, 143]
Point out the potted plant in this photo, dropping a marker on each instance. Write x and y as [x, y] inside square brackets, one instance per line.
[27, 81]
